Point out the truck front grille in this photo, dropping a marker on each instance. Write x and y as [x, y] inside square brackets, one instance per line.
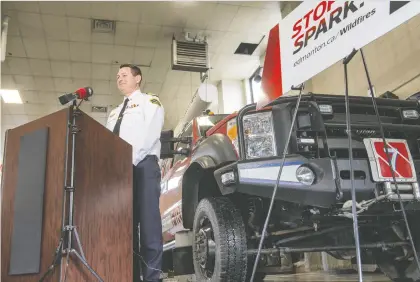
[320, 135]
[338, 145]
[364, 125]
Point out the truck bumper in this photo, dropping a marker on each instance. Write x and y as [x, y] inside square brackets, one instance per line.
[332, 181]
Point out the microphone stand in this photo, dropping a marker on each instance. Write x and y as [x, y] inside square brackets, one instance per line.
[69, 230]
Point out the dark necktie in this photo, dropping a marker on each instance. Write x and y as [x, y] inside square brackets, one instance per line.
[119, 120]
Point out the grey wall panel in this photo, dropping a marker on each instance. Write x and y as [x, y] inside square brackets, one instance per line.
[25, 255]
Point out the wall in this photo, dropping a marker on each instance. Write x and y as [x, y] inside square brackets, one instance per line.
[1, 130]
[247, 90]
[231, 97]
[217, 106]
[1, 142]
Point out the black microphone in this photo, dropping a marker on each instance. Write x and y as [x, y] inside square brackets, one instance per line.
[81, 93]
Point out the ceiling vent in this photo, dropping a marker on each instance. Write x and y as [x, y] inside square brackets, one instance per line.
[246, 48]
[98, 109]
[103, 26]
[190, 55]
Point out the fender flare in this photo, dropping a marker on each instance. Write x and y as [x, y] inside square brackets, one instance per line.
[212, 152]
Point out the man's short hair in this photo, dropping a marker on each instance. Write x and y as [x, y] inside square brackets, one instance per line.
[135, 70]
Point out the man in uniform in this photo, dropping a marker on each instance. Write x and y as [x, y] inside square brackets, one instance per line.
[139, 121]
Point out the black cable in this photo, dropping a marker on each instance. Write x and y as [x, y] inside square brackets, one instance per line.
[276, 186]
[145, 263]
[389, 160]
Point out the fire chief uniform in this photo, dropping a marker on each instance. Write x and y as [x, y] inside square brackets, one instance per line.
[139, 121]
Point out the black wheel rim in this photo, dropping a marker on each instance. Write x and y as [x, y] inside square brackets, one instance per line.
[205, 247]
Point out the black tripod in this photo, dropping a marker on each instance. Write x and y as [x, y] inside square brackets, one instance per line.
[65, 247]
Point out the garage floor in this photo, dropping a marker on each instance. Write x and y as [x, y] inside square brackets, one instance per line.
[303, 277]
[326, 277]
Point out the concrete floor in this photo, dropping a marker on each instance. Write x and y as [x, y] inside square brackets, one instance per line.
[304, 277]
[367, 277]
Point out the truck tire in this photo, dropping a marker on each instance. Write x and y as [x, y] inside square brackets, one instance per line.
[219, 242]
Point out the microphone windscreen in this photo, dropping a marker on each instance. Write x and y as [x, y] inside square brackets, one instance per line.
[84, 92]
[64, 99]
[89, 91]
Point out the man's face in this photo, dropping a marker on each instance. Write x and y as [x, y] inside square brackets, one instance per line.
[126, 82]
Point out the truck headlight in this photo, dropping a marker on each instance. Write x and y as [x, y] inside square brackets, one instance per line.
[259, 135]
[305, 175]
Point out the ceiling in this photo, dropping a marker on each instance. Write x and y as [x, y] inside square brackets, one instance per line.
[51, 50]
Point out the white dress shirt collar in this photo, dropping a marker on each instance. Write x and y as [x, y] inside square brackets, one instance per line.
[132, 95]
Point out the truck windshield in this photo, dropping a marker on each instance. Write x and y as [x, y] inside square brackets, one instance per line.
[207, 122]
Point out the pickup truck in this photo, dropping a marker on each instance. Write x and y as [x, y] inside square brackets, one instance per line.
[219, 175]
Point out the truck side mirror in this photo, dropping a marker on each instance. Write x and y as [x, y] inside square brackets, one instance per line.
[167, 148]
[167, 140]
[184, 151]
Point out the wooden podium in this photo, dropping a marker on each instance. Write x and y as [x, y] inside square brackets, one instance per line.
[36, 181]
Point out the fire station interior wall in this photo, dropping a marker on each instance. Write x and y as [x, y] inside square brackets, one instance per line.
[2, 133]
[217, 106]
[247, 90]
[231, 97]
[392, 61]
[1, 141]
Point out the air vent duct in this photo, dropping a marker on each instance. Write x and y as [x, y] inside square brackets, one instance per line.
[103, 26]
[99, 109]
[190, 56]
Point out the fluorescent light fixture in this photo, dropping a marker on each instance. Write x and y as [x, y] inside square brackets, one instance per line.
[11, 96]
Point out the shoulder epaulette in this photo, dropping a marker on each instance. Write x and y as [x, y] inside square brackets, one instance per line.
[155, 100]
[152, 94]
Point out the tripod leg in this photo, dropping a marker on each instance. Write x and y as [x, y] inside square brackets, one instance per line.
[76, 234]
[139, 252]
[87, 265]
[353, 188]
[67, 259]
[56, 260]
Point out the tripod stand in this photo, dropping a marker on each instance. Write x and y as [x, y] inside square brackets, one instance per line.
[65, 247]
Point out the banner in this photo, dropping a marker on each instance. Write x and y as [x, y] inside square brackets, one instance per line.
[317, 34]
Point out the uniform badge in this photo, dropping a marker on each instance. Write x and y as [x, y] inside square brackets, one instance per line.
[156, 102]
